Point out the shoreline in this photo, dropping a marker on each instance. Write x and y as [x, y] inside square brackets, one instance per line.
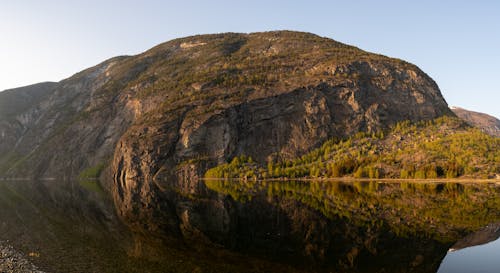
[352, 179]
[464, 180]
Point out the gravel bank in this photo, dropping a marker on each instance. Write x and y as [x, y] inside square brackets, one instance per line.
[13, 261]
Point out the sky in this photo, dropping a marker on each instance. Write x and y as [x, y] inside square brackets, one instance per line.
[455, 42]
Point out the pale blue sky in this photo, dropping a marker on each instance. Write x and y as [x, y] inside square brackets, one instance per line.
[455, 42]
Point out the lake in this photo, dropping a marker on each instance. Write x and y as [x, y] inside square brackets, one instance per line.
[270, 226]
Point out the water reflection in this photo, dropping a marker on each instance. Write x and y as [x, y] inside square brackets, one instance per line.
[68, 226]
[360, 226]
[249, 226]
[64, 227]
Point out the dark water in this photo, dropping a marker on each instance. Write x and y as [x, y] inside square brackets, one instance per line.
[283, 226]
[63, 227]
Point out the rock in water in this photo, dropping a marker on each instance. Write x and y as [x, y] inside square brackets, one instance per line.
[12, 261]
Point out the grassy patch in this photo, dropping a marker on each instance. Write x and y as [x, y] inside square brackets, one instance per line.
[92, 173]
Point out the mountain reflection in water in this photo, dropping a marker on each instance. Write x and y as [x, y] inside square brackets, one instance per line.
[481, 258]
[249, 226]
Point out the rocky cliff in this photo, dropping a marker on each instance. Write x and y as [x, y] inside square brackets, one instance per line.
[486, 123]
[158, 120]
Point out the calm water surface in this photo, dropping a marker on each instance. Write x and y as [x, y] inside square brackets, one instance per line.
[247, 226]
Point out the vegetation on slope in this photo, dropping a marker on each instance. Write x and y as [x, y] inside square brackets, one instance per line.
[442, 148]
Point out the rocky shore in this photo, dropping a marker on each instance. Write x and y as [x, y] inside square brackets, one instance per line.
[13, 261]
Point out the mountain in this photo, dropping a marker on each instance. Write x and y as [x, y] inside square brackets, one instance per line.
[211, 97]
[486, 123]
[151, 125]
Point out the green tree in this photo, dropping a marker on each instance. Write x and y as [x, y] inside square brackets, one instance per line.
[359, 173]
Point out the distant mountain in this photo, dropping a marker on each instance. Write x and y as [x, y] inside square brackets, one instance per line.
[485, 122]
[19, 100]
[16, 106]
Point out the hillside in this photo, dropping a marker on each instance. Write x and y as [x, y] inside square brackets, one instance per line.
[441, 148]
[486, 123]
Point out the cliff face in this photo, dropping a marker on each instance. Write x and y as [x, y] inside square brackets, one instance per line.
[486, 123]
[158, 120]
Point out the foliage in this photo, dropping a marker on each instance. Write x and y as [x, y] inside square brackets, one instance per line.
[241, 166]
[443, 211]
